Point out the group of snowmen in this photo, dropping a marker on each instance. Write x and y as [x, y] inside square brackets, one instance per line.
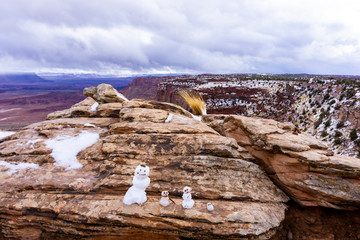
[136, 193]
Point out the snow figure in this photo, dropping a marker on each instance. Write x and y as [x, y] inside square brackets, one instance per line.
[210, 207]
[164, 201]
[136, 193]
[187, 202]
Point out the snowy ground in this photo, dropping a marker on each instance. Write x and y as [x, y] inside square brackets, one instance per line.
[4, 134]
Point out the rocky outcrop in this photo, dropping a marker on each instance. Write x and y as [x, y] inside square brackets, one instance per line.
[327, 107]
[301, 165]
[44, 196]
[104, 93]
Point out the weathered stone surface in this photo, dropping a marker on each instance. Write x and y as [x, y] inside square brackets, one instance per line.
[52, 202]
[297, 162]
[151, 104]
[319, 223]
[143, 115]
[104, 93]
[81, 109]
[160, 128]
[109, 110]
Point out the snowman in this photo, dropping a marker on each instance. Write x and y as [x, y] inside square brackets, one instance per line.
[187, 202]
[164, 201]
[136, 193]
[210, 207]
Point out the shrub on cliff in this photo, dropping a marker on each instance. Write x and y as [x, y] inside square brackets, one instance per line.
[324, 134]
[195, 101]
[338, 134]
[353, 134]
[340, 124]
[328, 123]
[338, 141]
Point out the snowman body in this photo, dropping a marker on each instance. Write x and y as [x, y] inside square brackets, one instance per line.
[187, 200]
[164, 201]
[136, 193]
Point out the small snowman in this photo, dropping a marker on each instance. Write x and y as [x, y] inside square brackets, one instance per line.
[210, 207]
[164, 201]
[187, 202]
[136, 193]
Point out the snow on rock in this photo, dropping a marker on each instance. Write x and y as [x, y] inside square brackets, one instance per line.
[203, 111]
[4, 134]
[169, 118]
[17, 167]
[89, 125]
[65, 148]
[32, 142]
[121, 96]
[196, 117]
[94, 106]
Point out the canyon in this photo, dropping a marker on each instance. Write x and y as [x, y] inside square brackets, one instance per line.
[327, 107]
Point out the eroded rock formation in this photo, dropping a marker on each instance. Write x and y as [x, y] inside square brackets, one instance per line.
[49, 201]
[301, 165]
[43, 196]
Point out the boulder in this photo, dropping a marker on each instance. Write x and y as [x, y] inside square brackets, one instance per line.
[297, 162]
[43, 196]
[85, 108]
[104, 93]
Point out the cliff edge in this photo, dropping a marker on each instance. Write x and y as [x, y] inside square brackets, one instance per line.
[66, 177]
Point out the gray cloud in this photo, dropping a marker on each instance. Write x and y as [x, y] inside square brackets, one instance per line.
[123, 36]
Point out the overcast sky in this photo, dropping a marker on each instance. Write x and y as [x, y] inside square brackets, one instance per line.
[182, 36]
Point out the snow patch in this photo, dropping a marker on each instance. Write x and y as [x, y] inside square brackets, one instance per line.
[6, 118]
[169, 118]
[65, 148]
[203, 111]
[15, 167]
[196, 117]
[94, 106]
[89, 125]
[4, 134]
[121, 96]
[32, 142]
[9, 110]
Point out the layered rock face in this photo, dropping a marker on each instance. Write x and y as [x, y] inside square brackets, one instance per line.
[301, 165]
[143, 87]
[66, 177]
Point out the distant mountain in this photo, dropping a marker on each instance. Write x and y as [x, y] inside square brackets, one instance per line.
[143, 87]
[21, 78]
[81, 76]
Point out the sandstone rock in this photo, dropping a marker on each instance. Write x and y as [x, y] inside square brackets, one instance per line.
[104, 93]
[143, 115]
[109, 110]
[297, 162]
[158, 128]
[51, 202]
[139, 103]
[81, 109]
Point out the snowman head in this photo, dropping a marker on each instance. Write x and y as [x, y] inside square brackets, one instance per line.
[187, 189]
[164, 193]
[142, 171]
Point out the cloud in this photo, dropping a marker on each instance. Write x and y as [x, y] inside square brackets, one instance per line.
[123, 36]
